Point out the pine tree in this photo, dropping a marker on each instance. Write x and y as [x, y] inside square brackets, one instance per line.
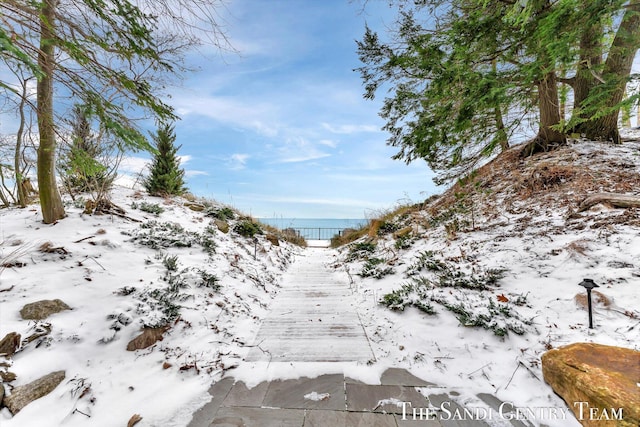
[82, 166]
[166, 177]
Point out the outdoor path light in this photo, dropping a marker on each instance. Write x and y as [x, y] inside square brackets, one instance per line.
[255, 248]
[589, 284]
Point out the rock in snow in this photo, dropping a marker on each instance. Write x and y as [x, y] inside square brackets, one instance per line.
[42, 309]
[599, 383]
[25, 394]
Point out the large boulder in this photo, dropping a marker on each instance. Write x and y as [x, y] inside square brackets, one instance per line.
[9, 344]
[599, 383]
[22, 395]
[42, 309]
[147, 338]
[223, 226]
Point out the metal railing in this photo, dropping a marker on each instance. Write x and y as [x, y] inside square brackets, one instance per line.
[315, 233]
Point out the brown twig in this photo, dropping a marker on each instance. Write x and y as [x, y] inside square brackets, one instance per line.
[83, 239]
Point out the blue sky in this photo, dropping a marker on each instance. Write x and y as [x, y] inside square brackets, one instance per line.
[280, 128]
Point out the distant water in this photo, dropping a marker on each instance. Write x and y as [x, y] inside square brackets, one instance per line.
[283, 223]
[314, 223]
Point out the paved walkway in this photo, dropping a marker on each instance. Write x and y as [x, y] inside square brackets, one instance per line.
[313, 319]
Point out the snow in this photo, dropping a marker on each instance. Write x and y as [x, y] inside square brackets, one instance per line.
[316, 397]
[208, 338]
[543, 251]
[543, 261]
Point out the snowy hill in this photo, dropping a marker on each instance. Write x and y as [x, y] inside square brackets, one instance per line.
[119, 275]
[471, 288]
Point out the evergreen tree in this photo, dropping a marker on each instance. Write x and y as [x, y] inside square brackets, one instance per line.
[464, 75]
[166, 177]
[114, 56]
[82, 166]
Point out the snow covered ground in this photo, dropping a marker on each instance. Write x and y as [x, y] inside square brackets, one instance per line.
[516, 243]
[542, 247]
[92, 263]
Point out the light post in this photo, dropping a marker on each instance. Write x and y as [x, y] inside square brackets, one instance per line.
[255, 248]
[589, 284]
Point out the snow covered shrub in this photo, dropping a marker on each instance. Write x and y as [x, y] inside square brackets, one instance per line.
[170, 262]
[247, 228]
[209, 280]
[404, 242]
[497, 318]
[462, 291]
[425, 261]
[207, 240]
[223, 214]
[152, 208]
[408, 295]
[159, 309]
[388, 227]
[373, 268]
[360, 250]
[159, 235]
[451, 275]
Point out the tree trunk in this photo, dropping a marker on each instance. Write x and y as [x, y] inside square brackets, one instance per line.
[501, 133]
[50, 200]
[588, 67]
[616, 73]
[613, 199]
[17, 160]
[547, 138]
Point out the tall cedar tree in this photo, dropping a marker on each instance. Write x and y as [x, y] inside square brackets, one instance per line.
[463, 75]
[166, 177]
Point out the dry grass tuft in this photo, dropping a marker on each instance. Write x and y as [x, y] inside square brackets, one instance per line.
[578, 248]
[597, 298]
[546, 176]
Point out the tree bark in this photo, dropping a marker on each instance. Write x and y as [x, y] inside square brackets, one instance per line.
[501, 133]
[590, 62]
[23, 197]
[617, 69]
[50, 200]
[547, 138]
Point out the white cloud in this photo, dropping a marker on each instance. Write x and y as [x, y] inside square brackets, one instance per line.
[350, 129]
[328, 143]
[238, 161]
[313, 201]
[256, 116]
[299, 149]
[132, 165]
[304, 158]
[192, 173]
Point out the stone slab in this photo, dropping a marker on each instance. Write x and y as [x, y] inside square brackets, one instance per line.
[241, 395]
[291, 394]
[397, 376]
[494, 403]
[258, 417]
[203, 416]
[347, 419]
[416, 423]
[451, 419]
[382, 398]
